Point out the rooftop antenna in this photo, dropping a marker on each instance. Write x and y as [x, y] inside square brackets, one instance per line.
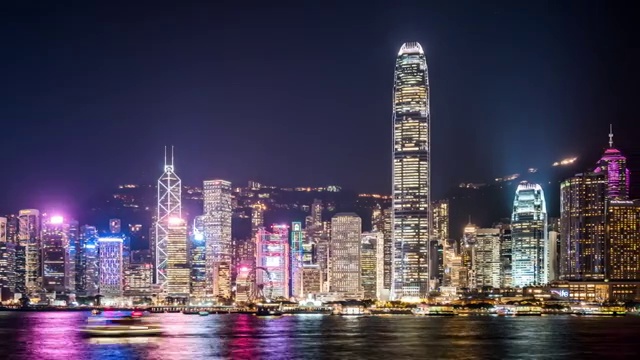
[171, 155]
[165, 155]
[610, 136]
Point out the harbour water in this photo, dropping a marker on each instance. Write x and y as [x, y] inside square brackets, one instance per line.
[55, 335]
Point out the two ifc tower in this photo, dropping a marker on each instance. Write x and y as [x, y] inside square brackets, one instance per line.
[411, 170]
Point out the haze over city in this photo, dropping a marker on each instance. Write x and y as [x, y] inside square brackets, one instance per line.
[300, 95]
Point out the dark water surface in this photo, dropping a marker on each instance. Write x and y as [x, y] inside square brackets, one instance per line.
[54, 335]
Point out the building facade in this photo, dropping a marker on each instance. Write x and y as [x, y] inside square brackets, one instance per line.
[55, 243]
[487, 262]
[372, 264]
[529, 236]
[169, 206]
[29, 275]
[345, 250]
[217, 236]
[582, 227]
[412, 226]
[87, 262]
[273, 255]
[111, 271]
[623, 240]
[177, 270]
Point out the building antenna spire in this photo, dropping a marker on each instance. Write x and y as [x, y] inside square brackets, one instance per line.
[165, 155]
[610, 136]
[171, 155]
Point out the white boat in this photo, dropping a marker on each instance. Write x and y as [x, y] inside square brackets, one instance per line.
[351, 310]
[120, 326]
[518, 310]
[599, 310]
[434, 310]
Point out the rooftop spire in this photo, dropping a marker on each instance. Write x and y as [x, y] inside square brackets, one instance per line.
[610, 136]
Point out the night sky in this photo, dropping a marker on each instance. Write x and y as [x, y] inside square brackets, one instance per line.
[291, 95]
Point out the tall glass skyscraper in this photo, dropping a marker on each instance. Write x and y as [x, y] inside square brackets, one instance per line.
[411, 174]
[217, 236]
[529, 236]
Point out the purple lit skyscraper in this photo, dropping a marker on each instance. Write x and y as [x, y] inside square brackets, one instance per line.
[614, 165]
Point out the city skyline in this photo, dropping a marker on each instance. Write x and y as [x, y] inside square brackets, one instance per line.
[480, 79]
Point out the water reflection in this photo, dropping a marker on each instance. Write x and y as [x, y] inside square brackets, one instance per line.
[56, 336]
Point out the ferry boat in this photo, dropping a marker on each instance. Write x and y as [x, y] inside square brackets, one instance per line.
[269, 310]
[350, 310]
[132, 325]
[434, 310]
[203, 313]
[599, 310]
[519, 310]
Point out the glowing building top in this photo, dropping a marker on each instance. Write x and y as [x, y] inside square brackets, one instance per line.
[614, 165]
[411, 48]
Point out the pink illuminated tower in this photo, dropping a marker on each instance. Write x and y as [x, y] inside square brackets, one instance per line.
[272, 254]
[614, 165]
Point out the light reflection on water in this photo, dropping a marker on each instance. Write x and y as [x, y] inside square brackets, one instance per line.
[55, 335]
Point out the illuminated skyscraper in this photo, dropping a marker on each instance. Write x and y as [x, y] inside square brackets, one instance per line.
[387, 233]
[468, 255]
[29, 277]
[344, 275]
[316, 213]
[441, 219]
[614, 165]
[198, 260]
[272, 254]
[297, 252]
[178, 272]
[506, 245]
[217, 236]
[72, 231]
[623, 240]
[54, 254]
[411, 174]
[87, 262]
[111, 272]
[7, 262]
[582, 227]
[454, 272]
[529, 236]
[372, 264]
[486, 263]
[169, 206]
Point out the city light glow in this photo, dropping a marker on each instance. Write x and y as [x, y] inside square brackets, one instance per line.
[56, 219]
[564, 162]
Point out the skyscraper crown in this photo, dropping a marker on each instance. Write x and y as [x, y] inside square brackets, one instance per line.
[411, 48]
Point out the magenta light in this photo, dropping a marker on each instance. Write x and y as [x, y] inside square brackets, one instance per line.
[56, 219]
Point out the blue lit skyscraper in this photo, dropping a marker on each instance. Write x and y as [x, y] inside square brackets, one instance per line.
[411, 174]
[529, 236]
[87, 263]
